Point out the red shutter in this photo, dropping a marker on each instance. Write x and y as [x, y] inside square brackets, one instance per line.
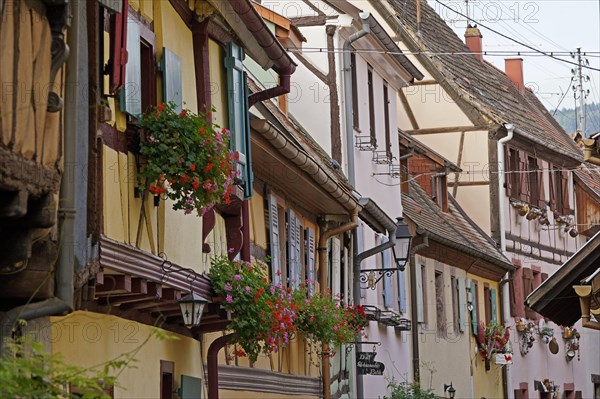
[527, 289]
[508, 177]
[523, 177]
[118, 46]
[566, 208]
[517, 308]
[552, 194]
[540, 185]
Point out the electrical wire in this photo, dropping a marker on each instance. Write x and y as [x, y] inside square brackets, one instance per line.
[563, 97]
[548, 54]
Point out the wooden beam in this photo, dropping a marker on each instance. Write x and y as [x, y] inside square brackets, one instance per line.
[115, 284]
[153, 293]
[448, 129]
[425, 82]
[458, 162]
[409, 112]
[468, 183]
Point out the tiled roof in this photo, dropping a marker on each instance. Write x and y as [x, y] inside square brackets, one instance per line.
[481, 84]
[455, 228]
[589, 174]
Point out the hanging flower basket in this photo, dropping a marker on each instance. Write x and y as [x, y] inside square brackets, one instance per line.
[186, 158]
[493, 340]
[266, 317]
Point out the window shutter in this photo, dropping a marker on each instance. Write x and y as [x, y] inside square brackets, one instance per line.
[336, 285]
[274, 240]
[119, 48]
[552, 188]
[527, 289]
[564, 184]
[517, 307]
[487, 304]
[387, 279]
[238, 115]
[540, 183]
[401, 276]
[474, 320]
[508, 177]
[293, 250]
[419, 279]
[131, 95]
[523, 177]
[493, 308]
[462, 305]
[170, 66]
[310, 259]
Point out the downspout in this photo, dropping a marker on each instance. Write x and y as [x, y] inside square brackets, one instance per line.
[282, 88]
[322, 248]
[348, 92]
[62, 302]
[413, 304]
[501, 214]
[212, 364]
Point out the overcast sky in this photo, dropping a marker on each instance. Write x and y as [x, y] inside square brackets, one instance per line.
[549, 25]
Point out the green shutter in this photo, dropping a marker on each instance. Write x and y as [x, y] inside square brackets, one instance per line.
[238, 115]
[474, 320]
[462, 305]
[493, 305]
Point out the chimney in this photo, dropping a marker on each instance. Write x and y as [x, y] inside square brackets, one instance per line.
[514, 71]
[473, 41]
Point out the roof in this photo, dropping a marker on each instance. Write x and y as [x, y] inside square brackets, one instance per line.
[408, 141]
[589, 174]
[555, 297]
[453, 228]
[480, 84]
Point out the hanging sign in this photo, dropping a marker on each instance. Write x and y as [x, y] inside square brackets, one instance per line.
[366, 364]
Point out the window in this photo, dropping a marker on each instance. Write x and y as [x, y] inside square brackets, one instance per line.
[294, 260]
[355, 120]
[536, 182]
[440, 307]
[474, 305]
[439, 192]
[559, 191]
[386, 120]
[372, 128]
[511, 166]
[167, 379]
[274, 240]
[455, 306]
[420, 276]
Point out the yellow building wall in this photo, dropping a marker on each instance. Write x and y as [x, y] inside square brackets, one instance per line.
[89, 339]
[488, 384]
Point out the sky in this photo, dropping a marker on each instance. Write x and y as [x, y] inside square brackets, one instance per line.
[548, 25]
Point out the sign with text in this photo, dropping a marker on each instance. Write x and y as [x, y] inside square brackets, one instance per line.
[366, 364]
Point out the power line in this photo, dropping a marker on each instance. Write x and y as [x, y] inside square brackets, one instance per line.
[548, 54]
[502, 53]
[563, 97]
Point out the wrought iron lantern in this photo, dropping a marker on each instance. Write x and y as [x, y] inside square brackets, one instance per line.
[192, 306]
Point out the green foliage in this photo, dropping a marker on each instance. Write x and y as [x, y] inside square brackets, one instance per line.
[27, 371]
[187, 158]
[265, 316]
[405, 390]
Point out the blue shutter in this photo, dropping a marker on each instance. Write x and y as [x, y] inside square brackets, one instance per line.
[310, 259]
[474, 320]
[274, 240]
[493, 305]
[170, 66]
[131, 96]
[388, 300]
[239, 117]
[401, 291]
[462, 305]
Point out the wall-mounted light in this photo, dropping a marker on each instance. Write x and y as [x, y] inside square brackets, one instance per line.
[192, 306]
[401, 252]
[450, 389]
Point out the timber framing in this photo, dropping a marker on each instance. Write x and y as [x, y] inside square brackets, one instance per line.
[536, 245]
[449, 129]
[468, 184]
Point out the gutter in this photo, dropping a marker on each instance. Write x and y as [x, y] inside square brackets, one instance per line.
[305, 162]
[505, 291]
[283, 63]
[62, 302]
[347, 61]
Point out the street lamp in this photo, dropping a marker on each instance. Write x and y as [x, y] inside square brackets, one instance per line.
[450, 389]
[402, 244]
[192, 306]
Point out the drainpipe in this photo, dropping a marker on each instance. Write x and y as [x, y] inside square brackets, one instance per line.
[322, 248]
[413, 304]
[63, 301]
[282, 88]
[364, 16]
[212, 364]
[501, 214]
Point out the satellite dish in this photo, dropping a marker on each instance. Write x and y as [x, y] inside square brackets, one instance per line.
[553, 346]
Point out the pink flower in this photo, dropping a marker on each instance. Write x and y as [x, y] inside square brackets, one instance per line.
[227, 287]
[248, 290]
[228, 299]
[237, 277]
